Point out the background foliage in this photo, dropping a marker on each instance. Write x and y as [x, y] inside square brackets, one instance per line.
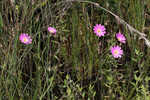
[74, 64]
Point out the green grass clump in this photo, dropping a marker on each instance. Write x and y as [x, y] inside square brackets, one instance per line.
[74, 64]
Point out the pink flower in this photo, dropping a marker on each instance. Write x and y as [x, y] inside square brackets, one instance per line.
[116, 51]
[99, 30]
[25, 38]
[121, 38]
[52, 30]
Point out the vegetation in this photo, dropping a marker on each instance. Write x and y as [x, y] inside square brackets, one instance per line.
[74, 63]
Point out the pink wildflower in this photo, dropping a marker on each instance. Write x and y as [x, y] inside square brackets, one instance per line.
[116, 51]
[25, 38]
[99, 30]
[121, 38]
[52, 30]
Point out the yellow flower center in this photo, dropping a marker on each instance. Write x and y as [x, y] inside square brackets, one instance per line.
[51, 31]
[25, 39]
[99, 31]
[116, 52]
[119, 38]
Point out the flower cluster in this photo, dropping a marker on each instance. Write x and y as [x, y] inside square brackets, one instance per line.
[26, 39]
[116, 50]
[98, 29]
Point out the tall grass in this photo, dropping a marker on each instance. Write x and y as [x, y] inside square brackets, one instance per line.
[74, 64]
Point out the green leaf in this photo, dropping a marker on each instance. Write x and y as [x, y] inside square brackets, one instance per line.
[1, 21]
[68, 91]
